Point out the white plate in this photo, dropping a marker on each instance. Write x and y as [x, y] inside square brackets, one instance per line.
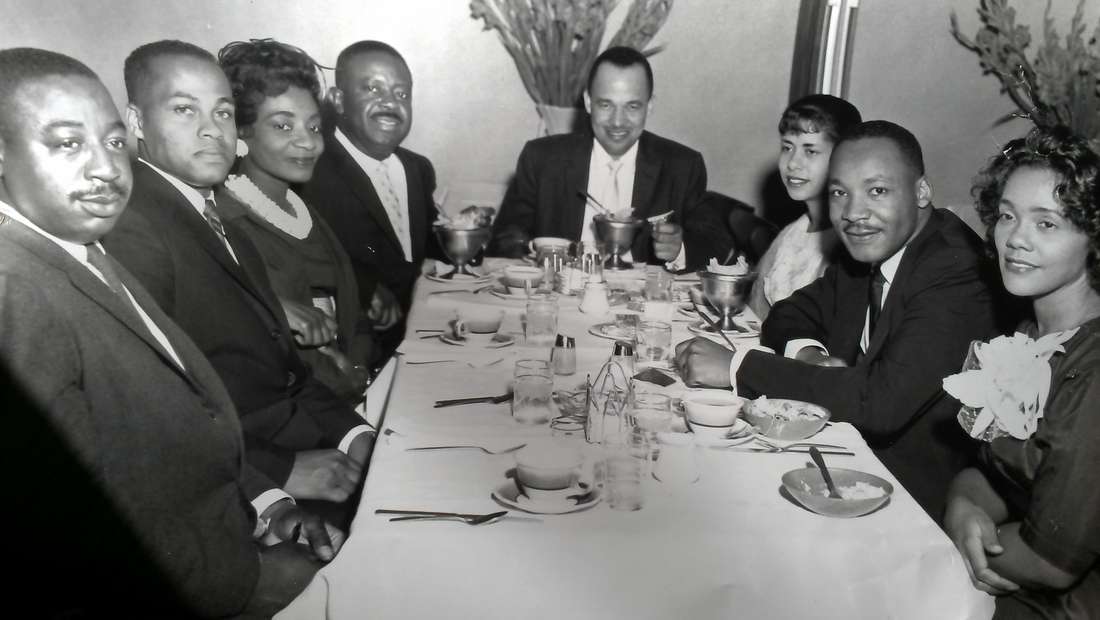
[741, 432]
[498, 341]
[689, 311]
[460, 279]
[753, 327]
[508, 495]
[611, 331]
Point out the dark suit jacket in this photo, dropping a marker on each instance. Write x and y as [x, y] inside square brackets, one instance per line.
[938, 302]
[544, 198]
[343, 194]
[163, 443]
[231, 313]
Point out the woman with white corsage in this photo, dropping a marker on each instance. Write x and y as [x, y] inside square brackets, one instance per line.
[277, 94]
[1027, 518]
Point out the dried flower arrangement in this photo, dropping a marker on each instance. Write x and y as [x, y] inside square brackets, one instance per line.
[1061, 86]
[554, 42]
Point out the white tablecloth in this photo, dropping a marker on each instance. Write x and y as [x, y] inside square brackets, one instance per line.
[729, 546]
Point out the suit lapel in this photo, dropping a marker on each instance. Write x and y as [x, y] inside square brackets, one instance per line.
[572, 202]
[647, 168]
[363, 189]
[418, 210]
[92, 287]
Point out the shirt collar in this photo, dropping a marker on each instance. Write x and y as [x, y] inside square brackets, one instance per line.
[193, 194]
[603, 158]
[76, 250]
[359, 156]
[889, 267]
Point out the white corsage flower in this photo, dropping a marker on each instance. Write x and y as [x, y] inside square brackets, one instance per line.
[1004, 384]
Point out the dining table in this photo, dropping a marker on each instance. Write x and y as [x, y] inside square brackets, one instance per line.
[731, 544]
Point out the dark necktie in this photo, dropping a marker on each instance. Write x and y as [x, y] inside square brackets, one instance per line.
[216, 225]
[874, 299]
[109, 268]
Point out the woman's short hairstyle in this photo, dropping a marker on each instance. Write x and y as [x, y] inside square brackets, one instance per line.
[1077, 168]
[259, 69]
[825, 114]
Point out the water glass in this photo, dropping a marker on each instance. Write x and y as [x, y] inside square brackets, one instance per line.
[678, 459]
[654, 341]
[623, 473]
[542, 321]
[652, 413]
[532, 387]
[658, 295]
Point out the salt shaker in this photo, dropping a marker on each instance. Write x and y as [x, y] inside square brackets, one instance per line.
[623, 353]
[564, 357]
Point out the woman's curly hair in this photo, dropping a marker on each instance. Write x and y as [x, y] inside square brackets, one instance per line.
[1077, 168]
[263, 68]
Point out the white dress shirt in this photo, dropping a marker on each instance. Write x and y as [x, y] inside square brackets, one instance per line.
[391, 185]
[197, 200]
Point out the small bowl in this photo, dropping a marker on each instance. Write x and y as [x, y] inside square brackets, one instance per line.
[515, 276]
[785, 420]
[548, 466]
[808, 488]
[712, 408]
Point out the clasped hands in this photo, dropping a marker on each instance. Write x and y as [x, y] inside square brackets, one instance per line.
[977, 538]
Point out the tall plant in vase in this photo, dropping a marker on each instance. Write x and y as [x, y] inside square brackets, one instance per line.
[1060, 85]
[555, 42]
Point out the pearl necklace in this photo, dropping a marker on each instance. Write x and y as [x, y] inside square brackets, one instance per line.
[296, 225]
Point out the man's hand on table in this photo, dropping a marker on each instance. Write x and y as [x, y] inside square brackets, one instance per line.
[818, 357]
[703, 363]
[384, 310]
[324, 474]
[310, 326]
[975, 536]
[668, 238]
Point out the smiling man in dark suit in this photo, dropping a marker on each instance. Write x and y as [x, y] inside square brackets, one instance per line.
[376, 195]
[873, 338]
[125, 393]
[620, 164]
[210, 279]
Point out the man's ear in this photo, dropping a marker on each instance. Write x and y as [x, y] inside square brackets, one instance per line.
[649, 106]
[924, 192]
[587, 103]
[336, 96]
[134, 121]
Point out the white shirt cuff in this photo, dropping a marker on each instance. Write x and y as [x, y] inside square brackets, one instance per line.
[679, 262]
[739, 358]
[266, 500]
[796, 345]
[345, 443]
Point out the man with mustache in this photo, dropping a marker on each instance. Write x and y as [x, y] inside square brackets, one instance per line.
[872, 339]
[139, 507]
[210, 279]
[376, 195]
[619, 164]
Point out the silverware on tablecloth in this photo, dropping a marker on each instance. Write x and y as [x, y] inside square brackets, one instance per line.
[795, 450]
[713, 325]
[483, 449]
[470, 364]
[469, 518]
[760, 439]
[496, 400]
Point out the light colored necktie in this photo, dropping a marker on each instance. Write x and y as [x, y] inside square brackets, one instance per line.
[613, 194]
[393, 206]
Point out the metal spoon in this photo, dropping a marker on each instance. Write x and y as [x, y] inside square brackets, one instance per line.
[815, 454]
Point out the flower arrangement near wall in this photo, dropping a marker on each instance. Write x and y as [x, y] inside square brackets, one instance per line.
[554, 42]
[1060, 85]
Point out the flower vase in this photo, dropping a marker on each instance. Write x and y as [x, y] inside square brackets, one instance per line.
[555, 119]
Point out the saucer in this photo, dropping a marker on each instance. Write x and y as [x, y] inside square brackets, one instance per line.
[752, 328]
[460, 278]
[740, 432]
[688, 310]
[508, 495]
[506, 294]
[498, 340]
[611, 331]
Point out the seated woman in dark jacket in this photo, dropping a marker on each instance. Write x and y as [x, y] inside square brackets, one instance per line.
[278, 117]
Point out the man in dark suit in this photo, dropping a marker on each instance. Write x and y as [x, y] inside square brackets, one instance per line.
[210, 279]
[128, 397]
[873, 338]
[619, 164]
[374, 194]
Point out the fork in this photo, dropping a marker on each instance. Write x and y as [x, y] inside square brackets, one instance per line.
[798, 444]
[470, 364]
[421, 515]
[483, 449]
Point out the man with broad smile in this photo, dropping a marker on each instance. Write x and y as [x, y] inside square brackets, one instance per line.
[872, 339]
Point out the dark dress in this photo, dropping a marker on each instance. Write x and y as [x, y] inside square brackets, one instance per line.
[1051, 483]
[302, 270]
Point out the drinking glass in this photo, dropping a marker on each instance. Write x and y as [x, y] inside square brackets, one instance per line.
[623, 472]
[677, 459]
[658, 295]
[654, 341]
[542, 321]
[532, 389]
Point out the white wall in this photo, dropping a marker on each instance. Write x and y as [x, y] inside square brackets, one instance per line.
[720, 83]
